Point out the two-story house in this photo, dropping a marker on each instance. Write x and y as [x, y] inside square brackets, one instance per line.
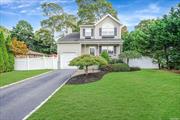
[105, 34]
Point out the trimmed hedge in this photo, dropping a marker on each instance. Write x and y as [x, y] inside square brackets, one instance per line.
[120, 67]
[115, 61]
[135, 68]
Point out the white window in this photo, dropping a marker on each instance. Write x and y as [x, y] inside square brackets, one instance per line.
[109, 49]
[107, 29]
[108, 32]
[92, 51]
[88, 32]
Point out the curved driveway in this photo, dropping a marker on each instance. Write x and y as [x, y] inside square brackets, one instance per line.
[18, 100]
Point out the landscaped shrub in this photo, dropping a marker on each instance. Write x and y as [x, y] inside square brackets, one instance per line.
[115, 60]
[106, 68]
[1, 60]
[135, 68]
[120, 67]
[11, 61]
[84, 61]
[105, 55]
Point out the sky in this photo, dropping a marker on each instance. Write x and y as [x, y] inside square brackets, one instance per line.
[130, 12]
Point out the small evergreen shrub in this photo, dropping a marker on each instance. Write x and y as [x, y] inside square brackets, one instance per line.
[120, 67]
[105, 55]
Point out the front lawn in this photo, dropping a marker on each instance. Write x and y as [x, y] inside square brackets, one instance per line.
[14, 76]
[141, 95]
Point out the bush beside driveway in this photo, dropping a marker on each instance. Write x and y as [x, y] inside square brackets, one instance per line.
[15, 76]
[140, 95]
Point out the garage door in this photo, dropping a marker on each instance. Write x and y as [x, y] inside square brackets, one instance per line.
[65, 58]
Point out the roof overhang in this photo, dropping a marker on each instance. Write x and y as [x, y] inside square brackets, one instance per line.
[92, 42]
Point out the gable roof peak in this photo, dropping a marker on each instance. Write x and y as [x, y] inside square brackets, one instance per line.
[108, 15]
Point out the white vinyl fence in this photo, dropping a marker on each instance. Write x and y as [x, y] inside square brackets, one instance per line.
[35, 63]
[144, 62]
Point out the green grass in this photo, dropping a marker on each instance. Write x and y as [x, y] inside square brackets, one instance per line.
[14, 76]
[141, 95]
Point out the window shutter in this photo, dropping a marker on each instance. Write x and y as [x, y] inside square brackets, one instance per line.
[100, 31]
[100, 49]
[115, 31]
[83, 32]
[114, 50]
[92, 32]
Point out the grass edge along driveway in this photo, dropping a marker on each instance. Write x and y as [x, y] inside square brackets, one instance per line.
[141, 95]
[15, 76]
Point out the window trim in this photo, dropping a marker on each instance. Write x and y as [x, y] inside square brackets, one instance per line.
[94, 50]
[90, 31]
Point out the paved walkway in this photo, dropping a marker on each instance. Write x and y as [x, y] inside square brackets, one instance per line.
[18, 100]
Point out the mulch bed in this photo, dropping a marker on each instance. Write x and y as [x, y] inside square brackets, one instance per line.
[83, 78]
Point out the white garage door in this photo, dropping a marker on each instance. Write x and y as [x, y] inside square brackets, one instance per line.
[65, 58]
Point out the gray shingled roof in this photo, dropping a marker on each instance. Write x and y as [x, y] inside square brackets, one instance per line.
[75, 36]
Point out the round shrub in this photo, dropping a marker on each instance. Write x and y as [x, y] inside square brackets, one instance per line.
[120, 67]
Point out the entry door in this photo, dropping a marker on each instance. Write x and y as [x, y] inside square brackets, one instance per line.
[65, 59]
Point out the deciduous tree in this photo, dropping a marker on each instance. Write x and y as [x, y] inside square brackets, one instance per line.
[87, 60]
[24, 32]
[19, 47]
[91, 10]
[45, 41]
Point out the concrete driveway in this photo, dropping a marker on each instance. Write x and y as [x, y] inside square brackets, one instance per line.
[18, 100]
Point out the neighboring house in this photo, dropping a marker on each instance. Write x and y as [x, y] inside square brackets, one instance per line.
[105, 34]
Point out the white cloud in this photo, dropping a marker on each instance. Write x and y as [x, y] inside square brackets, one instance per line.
[3, 2]
[23, 11]
[152, 8]
[23, 5]
[8, 13]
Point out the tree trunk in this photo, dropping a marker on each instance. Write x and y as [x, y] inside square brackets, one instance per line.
[86, 70]
[128, 61]
[166, 56]
[159, 64]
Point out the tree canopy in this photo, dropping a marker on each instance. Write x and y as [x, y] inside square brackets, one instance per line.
[45, 41]
[91, 10]
[57, 19]
[158, 39]
[87, 60]
[24, 32]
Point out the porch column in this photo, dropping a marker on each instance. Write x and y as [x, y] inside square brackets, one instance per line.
[85, 49]
[98, 50]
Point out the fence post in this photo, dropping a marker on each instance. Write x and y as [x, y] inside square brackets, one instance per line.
[53, 61]
[27, 62]
[44, 61]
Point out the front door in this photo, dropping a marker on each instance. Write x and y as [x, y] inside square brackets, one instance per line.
[92, 51]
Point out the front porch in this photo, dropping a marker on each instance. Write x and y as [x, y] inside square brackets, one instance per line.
[96, 49]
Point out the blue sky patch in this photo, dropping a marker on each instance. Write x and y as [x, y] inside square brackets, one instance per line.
[130, 12]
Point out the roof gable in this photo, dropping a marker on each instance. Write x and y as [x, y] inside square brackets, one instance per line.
[108, 15]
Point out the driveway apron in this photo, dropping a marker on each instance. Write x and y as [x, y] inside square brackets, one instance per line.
[18, 100]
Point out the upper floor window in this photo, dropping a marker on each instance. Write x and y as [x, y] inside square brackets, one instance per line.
[88, 32]
[108, 30]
